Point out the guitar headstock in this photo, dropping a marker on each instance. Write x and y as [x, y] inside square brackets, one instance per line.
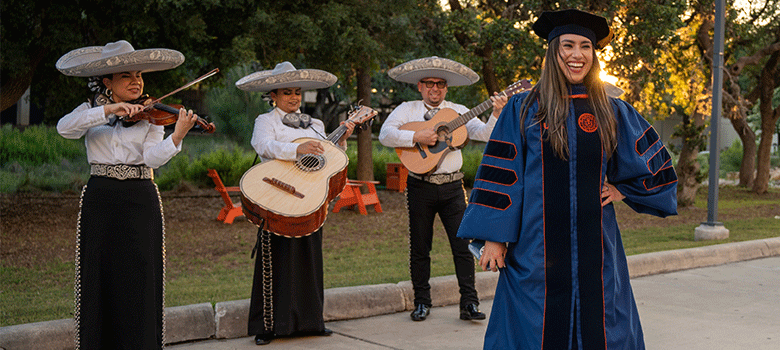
[518, 86]
[361, 114]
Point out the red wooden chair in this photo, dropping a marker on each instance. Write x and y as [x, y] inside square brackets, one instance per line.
[396, 176]
[231, 210]
[352, 196]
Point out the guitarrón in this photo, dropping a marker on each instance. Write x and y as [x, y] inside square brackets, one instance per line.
[290, 198]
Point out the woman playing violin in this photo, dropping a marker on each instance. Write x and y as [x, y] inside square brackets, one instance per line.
[120, 241]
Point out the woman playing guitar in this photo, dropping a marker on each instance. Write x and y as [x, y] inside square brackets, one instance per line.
[287, 292]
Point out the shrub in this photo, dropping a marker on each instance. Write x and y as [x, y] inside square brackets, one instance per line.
[229, 159]
[233, 110]
[39, 159]
[37, 145]
[731, 158]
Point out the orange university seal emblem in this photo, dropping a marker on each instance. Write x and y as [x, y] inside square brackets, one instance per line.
[587, 122]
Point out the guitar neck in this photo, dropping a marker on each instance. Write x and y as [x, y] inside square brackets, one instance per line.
[337, 134]
[358, 117]
[465, 117]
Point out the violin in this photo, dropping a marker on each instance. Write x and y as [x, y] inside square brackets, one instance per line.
[161, 114]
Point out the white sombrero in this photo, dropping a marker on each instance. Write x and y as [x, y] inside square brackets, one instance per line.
[116, 57]
[454, 73]
[284, 75]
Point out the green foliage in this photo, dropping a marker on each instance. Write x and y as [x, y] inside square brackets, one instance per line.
[230, 161]
[57, 177]
[472, 157]
[492, 36]
[233, 110]
[691, 134]
[36, 145]
[39, 159]
[70, 171]
[731, 158]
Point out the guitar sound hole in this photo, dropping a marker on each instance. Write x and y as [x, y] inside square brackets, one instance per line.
[310, 162]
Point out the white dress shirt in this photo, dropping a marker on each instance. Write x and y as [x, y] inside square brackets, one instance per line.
[272, 139]
[414, 111]
[139, 144]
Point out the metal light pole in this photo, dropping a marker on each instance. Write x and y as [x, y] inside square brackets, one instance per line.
[711, 229]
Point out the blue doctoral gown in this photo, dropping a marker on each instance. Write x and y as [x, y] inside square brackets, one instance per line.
[566, 284]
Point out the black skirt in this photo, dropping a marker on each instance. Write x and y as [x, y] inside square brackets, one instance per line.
[120, 269]
[287, 290]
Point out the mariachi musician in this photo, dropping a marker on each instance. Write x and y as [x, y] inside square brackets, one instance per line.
[120, 242]
[440, 192]
[287, 289]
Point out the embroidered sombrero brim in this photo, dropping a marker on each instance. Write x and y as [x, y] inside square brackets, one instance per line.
[92, 61]
[267, 80]
[456, 74]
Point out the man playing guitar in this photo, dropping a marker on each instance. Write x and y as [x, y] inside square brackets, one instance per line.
[441, 189]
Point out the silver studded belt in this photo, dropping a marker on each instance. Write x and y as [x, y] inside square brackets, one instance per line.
[438, 179]
[122, 171]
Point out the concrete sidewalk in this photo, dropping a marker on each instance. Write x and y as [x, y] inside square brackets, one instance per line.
[681, 302]
[726, 307]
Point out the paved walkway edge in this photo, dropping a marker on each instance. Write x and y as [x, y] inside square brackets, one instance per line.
[228, 319]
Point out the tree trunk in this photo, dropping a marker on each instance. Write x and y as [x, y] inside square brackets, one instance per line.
[365, 163]
[489, 71]
[12, 89]
[769, 118]
[687, 173]
[748, 167]
[763, 160]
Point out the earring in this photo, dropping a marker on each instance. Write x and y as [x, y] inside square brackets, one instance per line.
[109, 92]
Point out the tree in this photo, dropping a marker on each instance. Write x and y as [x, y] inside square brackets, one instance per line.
[36, 33]
[491, 37]
[362, 35]
[751, 54]
[350, 38]
[685, 93]
[762, 45]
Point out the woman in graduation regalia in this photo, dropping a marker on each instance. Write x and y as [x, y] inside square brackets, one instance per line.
[557, 158]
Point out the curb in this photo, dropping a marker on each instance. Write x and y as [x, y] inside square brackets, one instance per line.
[229, 319]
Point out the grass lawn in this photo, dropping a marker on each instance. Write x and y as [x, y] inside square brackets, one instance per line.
[209, 261]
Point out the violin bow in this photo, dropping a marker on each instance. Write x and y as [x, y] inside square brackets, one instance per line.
[204, 76]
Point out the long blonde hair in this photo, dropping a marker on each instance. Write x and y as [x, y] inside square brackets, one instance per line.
[553, 91]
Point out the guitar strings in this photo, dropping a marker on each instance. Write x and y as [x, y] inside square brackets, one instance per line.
[309, 161]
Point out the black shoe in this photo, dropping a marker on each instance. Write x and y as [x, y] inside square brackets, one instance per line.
[326, 332]
[420, 312]
[471, 312]
[263, 339]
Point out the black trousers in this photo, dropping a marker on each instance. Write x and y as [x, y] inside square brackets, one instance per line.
[120, 268]
[287, 289]
[424, 201]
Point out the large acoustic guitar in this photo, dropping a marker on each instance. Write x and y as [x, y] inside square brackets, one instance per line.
[449, 125]
[290, 198]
